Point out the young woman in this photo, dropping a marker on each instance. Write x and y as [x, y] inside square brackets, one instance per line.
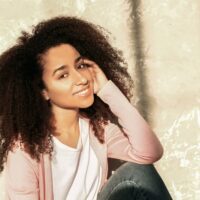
[64, 110]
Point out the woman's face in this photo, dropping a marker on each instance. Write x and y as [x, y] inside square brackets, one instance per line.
[68, 81]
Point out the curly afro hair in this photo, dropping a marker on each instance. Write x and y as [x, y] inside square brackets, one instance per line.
[25, 115]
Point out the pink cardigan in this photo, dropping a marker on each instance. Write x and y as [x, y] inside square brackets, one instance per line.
[28, 180]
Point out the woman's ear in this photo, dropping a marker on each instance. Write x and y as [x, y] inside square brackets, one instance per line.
[45, 94]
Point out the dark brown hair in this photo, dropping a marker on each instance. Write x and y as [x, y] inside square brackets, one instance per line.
[24, 113]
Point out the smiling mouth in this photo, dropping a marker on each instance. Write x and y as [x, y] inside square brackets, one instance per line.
[83, 92]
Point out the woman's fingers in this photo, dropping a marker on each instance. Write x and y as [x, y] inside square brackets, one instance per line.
[94, 68]
[97, 73]
[91, 63]
[87, 61]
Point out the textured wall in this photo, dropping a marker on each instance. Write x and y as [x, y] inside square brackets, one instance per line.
[172, 47]
[161, 42]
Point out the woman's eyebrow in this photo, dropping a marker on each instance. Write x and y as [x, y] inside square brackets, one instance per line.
[78, 58]
[65, 66]
[59, 69]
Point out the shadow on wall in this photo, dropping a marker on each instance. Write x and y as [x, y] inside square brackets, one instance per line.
[144, 100]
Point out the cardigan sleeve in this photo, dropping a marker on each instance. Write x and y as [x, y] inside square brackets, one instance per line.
[21, 176]
[136, 141]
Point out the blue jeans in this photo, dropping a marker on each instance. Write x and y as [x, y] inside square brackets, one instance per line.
[133, 181]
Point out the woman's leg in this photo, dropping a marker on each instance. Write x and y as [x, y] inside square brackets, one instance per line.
[134, 181]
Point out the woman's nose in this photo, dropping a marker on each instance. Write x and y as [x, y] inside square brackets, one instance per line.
[80, 79]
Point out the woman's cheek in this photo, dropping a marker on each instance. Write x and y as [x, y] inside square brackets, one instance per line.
[91, 71]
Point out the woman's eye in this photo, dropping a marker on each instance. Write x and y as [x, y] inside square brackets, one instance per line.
[83, 65]
[63, 76]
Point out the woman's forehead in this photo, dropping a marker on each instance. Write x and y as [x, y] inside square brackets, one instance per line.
[60, 55]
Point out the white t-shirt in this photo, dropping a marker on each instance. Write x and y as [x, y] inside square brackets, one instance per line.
[76, 172]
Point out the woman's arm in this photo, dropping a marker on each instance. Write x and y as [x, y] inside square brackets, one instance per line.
[21, 176]
[140, 143]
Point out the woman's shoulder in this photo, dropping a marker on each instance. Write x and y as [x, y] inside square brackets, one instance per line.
[19, 156]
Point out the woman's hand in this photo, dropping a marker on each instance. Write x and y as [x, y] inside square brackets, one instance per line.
[99, 78]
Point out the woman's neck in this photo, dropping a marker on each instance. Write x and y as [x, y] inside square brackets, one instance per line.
[66, 123]
[65, 120]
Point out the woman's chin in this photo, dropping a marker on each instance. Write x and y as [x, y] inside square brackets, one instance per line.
[88, 103]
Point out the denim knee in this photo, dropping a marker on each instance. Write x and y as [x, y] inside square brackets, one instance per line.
[135, 181]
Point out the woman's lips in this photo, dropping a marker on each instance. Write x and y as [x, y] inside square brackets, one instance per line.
[84, 92]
